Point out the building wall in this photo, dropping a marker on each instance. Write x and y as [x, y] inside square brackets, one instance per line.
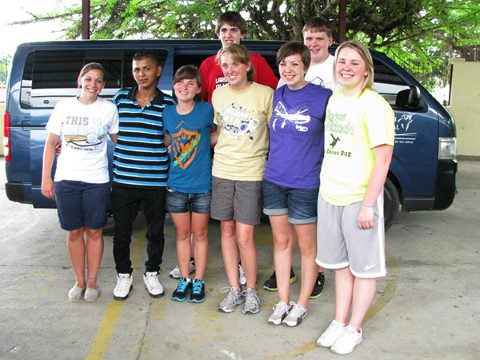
[465, 106]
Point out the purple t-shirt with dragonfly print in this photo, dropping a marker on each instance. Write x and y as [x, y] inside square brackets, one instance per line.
[297, 136]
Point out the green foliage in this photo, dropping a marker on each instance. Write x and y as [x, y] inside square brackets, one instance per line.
[421, 35]
[440, 30]
[4, 64]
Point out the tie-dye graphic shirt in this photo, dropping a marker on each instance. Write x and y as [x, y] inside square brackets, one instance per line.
[190, 168]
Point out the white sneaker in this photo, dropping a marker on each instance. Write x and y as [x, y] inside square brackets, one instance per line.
[347, 341]
[124, 285]
[241, 275]
[329, 336]
[176, 274]
[152, 284]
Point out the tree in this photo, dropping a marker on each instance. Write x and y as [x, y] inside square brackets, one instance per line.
[4, 61]
[420, 34]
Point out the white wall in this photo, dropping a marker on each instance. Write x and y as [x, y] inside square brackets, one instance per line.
[465, 106]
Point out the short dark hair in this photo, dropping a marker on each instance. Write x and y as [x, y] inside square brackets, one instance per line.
[187, 72]
[146, 54]
[233, 18]
[293, 48]
[318, 24]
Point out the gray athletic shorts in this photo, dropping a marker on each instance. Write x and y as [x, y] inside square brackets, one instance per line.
[236, 200]
[341, 243]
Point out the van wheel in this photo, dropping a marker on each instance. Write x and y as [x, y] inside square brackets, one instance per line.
[391, 203]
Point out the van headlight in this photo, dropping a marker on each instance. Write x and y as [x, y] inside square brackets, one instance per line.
[447, 148]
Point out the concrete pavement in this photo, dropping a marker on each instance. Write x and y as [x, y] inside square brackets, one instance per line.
[428, 307]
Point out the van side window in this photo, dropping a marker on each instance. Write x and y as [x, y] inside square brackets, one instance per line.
[47, 76]
[387, 83]
[395, 90]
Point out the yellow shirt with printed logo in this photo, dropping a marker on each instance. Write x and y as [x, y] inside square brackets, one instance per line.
[241, 150]
[354, 125]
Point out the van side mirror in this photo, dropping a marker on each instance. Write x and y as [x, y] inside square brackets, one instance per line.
[408, 98]
[413, 97]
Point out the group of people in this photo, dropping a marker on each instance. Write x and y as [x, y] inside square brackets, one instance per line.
[311, 152]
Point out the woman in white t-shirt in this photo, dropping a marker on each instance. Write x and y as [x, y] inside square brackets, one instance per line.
[81, 185]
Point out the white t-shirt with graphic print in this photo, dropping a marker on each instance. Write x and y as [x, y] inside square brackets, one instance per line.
[84, 131]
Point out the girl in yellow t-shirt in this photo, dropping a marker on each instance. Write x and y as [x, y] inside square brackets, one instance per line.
[359, 137]
[242, 109]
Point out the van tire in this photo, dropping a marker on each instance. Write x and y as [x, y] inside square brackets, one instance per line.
[391, 203]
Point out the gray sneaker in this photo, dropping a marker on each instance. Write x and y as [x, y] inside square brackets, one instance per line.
[295, 316]
[252, 302]
[280, 312]
[232, 298]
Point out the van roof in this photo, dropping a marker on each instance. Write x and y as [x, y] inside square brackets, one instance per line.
[125, 43]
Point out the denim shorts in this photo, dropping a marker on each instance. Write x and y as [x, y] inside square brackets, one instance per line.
[81, 204]
[299, 204]
[179, 202]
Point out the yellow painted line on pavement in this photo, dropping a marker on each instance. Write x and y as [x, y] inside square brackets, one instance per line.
[107, 326]
[388, 292]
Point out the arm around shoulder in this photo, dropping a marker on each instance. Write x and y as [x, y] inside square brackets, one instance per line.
[214, 135]
[114, 138]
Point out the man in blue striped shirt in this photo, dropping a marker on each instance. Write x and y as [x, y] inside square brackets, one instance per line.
[140, 169]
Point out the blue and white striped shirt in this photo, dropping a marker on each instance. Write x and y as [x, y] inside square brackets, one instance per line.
[140, 158]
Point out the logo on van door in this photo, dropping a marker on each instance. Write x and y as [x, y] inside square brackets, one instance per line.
[402, 125]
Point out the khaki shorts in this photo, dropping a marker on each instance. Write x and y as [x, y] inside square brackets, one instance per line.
[236, 200]
[341, 243]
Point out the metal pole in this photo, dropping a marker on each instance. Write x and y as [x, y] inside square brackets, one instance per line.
[342, 20]
[85, 19]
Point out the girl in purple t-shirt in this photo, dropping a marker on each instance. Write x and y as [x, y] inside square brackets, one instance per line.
[292, 177]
